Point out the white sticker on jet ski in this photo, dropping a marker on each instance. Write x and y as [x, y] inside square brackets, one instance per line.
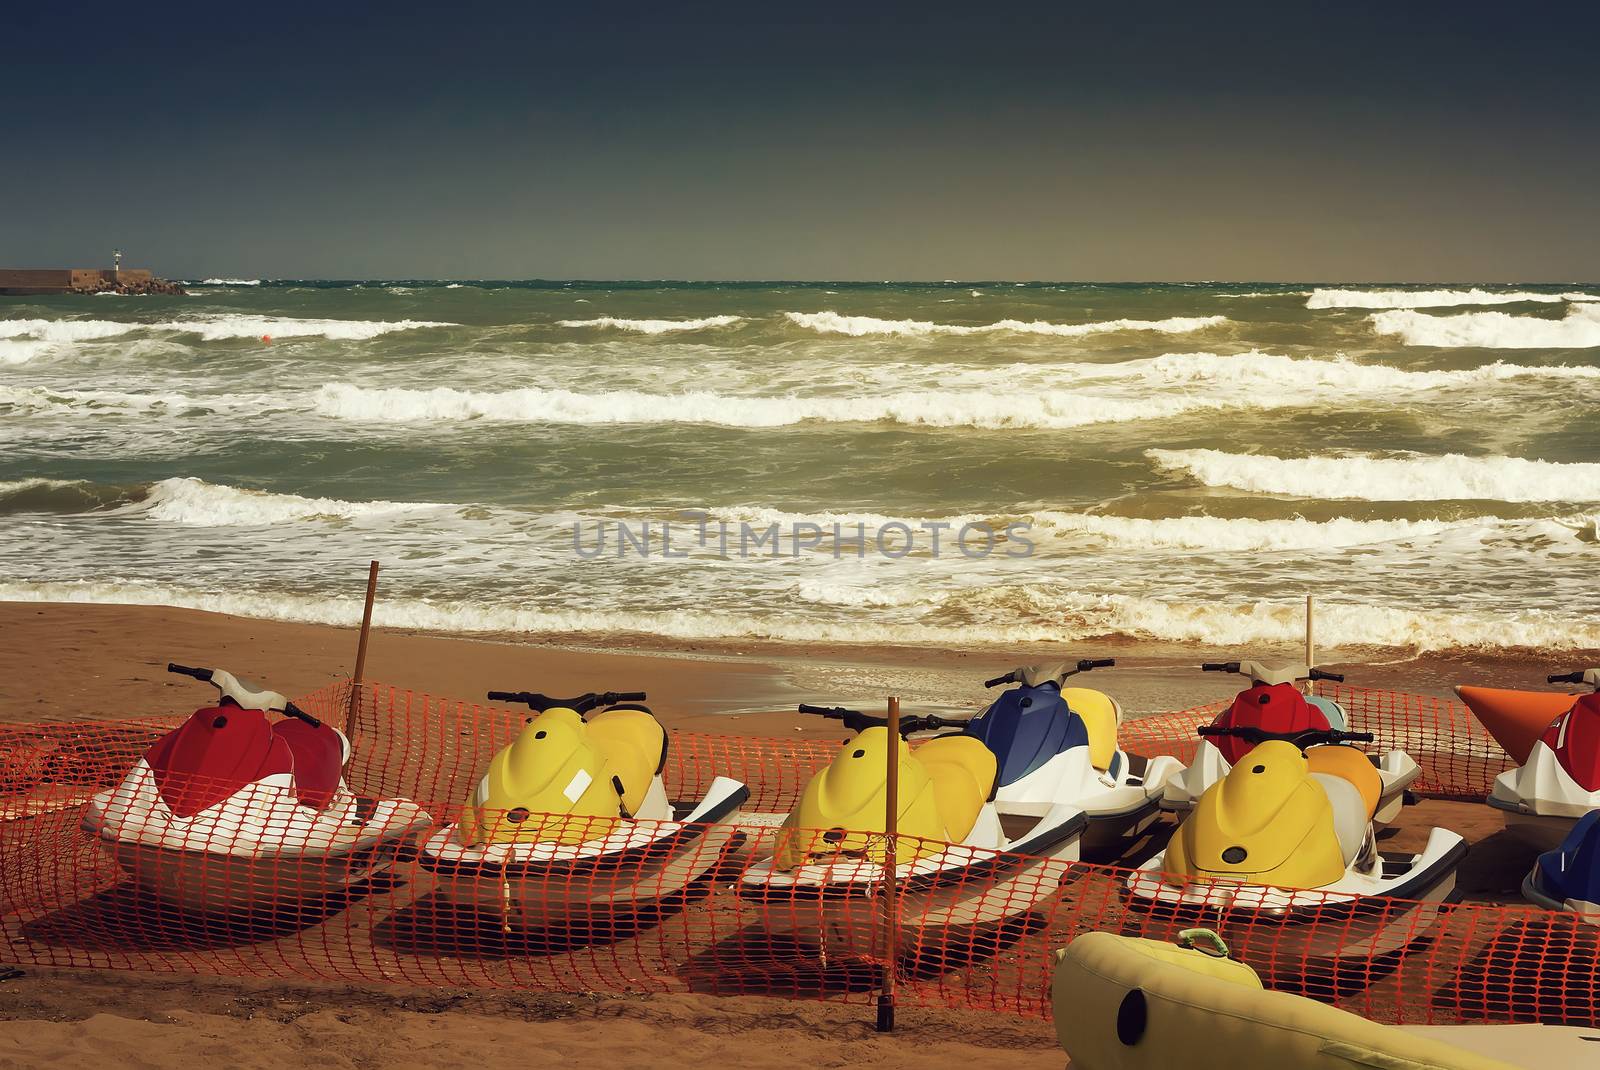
[578, 785]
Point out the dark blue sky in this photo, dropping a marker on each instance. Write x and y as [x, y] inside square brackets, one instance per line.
[1196, 141]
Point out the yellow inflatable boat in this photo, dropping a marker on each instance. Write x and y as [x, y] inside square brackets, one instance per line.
[1123, 1003]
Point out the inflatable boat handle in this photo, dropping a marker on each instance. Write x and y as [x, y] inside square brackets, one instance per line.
[1187, 938]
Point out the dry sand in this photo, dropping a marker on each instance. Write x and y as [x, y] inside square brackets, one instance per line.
[89, 662]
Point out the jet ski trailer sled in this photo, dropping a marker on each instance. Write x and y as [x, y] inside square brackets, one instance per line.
[959, 879]
[1057, 746]
[232, 813]
[1286, 840]
[571, 825]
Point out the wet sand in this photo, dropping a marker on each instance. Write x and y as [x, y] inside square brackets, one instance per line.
[86, 662]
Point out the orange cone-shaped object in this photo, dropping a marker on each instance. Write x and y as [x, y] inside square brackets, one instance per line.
[1516, 719]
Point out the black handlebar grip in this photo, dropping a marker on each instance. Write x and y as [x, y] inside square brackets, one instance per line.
[1355, 737]
[290, 709]
[1096, 663]
[1006, 679]
[1566, 678]
[184, 670]
[503, 696]
[626, 696]
[808, 708]
[1219, 666]
[1322, 674]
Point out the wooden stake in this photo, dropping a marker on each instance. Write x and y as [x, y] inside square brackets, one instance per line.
[361, 654]
[1311, 648]
[891, 913]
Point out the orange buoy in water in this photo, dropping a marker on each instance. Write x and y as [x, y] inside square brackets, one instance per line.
[267, 338]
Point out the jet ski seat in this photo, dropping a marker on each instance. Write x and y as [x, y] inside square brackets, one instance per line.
[634, 747]
[964, 774]
[1353, 787]
[1100, 715]
[319, 756]
[1331, 710]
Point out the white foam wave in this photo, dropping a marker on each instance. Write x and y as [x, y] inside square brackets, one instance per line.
[231, 282]
[1405, 478]
[655, 326]
[1226, 535]
[218, 328]
[1255, 369]
[17, 486]
[1070, 619]
[65, 330]
[1579, 329]
[1434, 298]
[40, 399]
[1046, 409]
[861, 326]
[196, 503]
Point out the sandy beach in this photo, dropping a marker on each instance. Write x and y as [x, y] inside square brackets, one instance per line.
[74, 662]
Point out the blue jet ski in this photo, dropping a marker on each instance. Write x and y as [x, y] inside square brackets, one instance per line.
[1568, 878]
[1057, 745]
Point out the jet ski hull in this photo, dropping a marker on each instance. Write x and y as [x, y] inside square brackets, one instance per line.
[944, 901]
[1352, 921]
[207, 882]
[1120, 808]
[641, 867]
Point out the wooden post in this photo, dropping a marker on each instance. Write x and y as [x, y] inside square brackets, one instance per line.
[1311, 647]
[891, 912]
[361, 655]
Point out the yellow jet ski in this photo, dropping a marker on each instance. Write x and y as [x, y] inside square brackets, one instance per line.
[572, 819]
[1123, 1003]
[1286, 839]
[957, 873]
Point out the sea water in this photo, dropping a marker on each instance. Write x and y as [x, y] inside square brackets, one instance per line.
[1167, 462]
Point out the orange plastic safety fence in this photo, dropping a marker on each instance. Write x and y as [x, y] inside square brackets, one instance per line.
[381, 884]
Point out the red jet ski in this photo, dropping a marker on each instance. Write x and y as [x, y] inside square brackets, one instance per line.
[233, 812]
[1273, 707]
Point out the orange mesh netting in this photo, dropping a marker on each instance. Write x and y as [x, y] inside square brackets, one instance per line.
[372, 891]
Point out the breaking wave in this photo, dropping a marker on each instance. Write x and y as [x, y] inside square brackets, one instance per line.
[218, 328]
[655, 326]
[1011, 615]
[1579, 329]
[1434, 298]
[194, 502]
[861, 326]
[1051, 409]
[1365, 477]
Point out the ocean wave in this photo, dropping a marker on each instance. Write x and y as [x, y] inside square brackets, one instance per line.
[219, 328]
[655, 326]
[1366, 477]
[861, 326]
[65, 330]
[49, 400]
[1046, 409]
[1237, 534]
[1006, 615]
[42, 495]
[230, 282]
[1579, 329]
[194, 502]
[1321, 298]
[1339, 374]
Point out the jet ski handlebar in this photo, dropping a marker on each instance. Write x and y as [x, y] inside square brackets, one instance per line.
[1308, 738]
[1581, 676]
[1058, 673]
[579, 703]
[857, 721]
[289, 709]
[1234, 666]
